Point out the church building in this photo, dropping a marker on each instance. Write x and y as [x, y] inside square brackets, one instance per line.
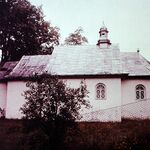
[118, 82]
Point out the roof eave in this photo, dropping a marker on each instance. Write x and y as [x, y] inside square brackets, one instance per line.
[138, 77]
[21, 78]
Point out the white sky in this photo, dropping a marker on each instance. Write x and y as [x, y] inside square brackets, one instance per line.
[128, 21]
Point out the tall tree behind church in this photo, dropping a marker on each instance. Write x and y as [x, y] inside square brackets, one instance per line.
[23, 30]
[76, 38]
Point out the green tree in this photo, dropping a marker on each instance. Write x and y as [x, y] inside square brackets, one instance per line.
[53, 106]
[76, 38]
[23, 30]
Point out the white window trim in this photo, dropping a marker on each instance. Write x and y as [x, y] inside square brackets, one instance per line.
[144, 92]
[104, 89]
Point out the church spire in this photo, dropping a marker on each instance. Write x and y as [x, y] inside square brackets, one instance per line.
[103, 42]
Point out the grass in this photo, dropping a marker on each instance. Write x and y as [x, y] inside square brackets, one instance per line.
[127, 135]
[10, 133]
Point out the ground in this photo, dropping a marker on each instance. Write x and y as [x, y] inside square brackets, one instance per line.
[127, 135]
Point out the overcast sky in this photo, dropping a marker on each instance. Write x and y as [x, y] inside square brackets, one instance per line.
[128, 21]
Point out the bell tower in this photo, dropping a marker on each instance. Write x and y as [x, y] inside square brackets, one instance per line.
[103, 42]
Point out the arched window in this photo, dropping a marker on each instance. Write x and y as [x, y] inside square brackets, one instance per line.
[100, 91]
[140, 91]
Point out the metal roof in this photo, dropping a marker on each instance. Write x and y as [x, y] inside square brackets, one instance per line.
[2, 74]
[83, 60]
[7, 68]
[135, 64]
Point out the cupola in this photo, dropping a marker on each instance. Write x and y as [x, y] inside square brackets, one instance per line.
[103, 42]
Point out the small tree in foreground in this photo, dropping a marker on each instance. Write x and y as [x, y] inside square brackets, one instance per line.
[53, 106]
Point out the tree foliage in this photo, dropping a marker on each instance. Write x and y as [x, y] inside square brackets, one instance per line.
[23, 30]
[2, 113]
[76, 38]
[53, 106]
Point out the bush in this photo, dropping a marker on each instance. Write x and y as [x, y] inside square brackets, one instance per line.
[35, 140]
[127, 135]
[2, 113]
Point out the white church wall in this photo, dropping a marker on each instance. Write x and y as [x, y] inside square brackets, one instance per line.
[3, 94]
[128, 90]
[105, 115]
[15, 99]
[139, 109]
[107, 109]
[131, 107]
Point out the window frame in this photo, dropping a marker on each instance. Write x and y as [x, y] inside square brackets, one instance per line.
[139, 90]
[96, 89]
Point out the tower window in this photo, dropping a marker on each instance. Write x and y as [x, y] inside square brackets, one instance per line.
[140, 92]
[102, 34]
[100, 91]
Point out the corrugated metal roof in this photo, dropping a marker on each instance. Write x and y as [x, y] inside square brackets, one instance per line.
[30, 65]
[2, 74]
[83, 60]
[7, 68]
[134, 64]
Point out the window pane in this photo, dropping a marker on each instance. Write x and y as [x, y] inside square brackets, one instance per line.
[102, 87]
[137, 95]
[140, 88]
[100, 91]
[103, 96]
[140, 91]
[142, 94]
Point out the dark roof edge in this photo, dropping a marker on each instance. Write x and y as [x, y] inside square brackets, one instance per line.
[94, 76]
[122, 76]
[146, 77]
[67, 76]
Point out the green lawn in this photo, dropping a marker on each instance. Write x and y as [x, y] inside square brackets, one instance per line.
[129, 134]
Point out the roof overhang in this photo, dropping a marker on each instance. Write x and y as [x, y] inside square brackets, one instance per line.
[124, 76]
[136, 77]
[72, 76]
